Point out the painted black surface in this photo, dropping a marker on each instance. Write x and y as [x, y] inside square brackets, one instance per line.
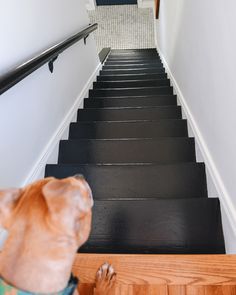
[159, 205]
[133, 71]
[131, 84]
[162, 151]
[133, 66]
[141, 76]
[136, 101]
[187, 226]
[115, 2]
[185, 180]
[130, 114]
[103, 54]
[134, 58]
[141, 129]
[107, 92]
[133, 62]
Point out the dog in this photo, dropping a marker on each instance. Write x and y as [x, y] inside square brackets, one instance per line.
[46, 222]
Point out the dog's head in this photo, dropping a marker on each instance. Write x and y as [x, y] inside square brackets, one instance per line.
[49, 206]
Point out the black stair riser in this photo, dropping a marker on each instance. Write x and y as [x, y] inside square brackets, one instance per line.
[186, 180]
[161, 151]
[132, 77]
[133, 54]
[114, 130]
[133, 71]
[130, 84]
[130, 101]
[134, 62]
[133, 66]
[130, 114]
[144, 50]
[137, 59]
[156, 227]
[118, 92]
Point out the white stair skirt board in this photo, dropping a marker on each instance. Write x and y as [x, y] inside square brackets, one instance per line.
[214, 178]
[50, 152]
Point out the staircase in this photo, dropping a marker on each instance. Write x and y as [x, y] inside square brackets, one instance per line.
[132, 145]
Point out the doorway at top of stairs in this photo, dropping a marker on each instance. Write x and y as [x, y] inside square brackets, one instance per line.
[115, 2]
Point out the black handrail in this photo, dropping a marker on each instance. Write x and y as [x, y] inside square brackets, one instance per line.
[47, 56]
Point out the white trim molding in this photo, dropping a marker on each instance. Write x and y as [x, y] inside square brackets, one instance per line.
[38, 169]
[226, 202]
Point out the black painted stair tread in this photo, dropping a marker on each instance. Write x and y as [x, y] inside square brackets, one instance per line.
[161, 151]
[132, 66]
[139, 101]
[130, 91]
[134, 50]
[185, 180]
[141, 76]
[140, 129]
[133, 62]
[187, 226]
[131, 84]
[130, 114]
[132, 71]
[134, 59]
[134, 53]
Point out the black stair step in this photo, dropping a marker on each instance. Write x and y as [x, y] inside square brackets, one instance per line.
[187, 226]
[133, 62]
[134, 91]
[132, 71]
[136, 101]
[132, 54]
[131, 84]
[134, 59]
[125, 77]
[161, 151]
[133, 50]
[140, 129]
[133, 66]
[186, 180]
[130, 114]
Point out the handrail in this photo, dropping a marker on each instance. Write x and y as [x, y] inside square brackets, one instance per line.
[47, 56]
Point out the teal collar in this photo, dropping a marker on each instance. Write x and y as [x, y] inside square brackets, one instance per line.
[6, 289]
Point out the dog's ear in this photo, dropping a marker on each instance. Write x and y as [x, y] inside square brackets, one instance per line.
[68, 200]
[8, 199]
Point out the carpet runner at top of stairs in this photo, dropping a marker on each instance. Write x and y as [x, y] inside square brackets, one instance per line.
[132, 145]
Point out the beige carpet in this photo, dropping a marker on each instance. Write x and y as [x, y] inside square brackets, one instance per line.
[123, 27]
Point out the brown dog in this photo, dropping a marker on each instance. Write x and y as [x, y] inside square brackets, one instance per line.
[46, 223]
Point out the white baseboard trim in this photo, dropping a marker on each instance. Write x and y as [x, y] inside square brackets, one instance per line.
[39, 166]
[223, 194]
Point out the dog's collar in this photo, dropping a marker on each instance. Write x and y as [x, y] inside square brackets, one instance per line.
[8, 289]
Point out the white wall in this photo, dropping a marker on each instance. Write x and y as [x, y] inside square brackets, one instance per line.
[32, 111]
[197, 40]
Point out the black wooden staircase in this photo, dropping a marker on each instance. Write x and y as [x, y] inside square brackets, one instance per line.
[132, 145]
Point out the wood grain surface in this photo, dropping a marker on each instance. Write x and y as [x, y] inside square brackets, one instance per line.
[161, 274]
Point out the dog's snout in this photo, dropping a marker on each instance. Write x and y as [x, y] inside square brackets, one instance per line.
[79, 177]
